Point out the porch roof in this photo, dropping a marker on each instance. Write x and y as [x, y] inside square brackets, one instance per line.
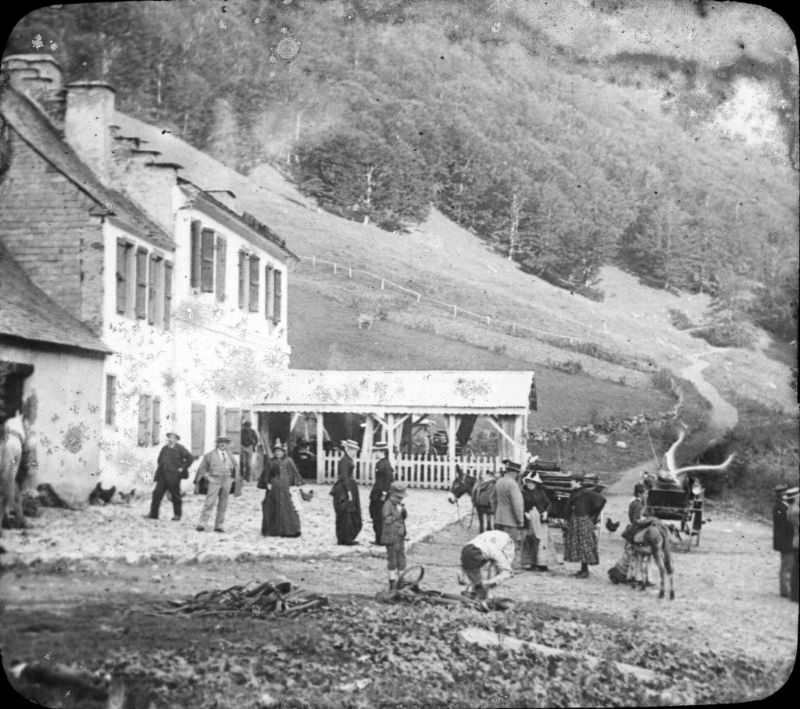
[455, 392]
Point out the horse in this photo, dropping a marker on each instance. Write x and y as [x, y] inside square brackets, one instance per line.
[653, 541]
[480, 492]
[11, 447]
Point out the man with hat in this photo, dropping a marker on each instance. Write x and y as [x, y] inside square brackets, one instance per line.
[782, 539]
[171, 467]
[346, 502]
[393, 532]
[249, 441]
[583, 512]
[384, 475]
[217, 467]
[507, 503]
[536, 547]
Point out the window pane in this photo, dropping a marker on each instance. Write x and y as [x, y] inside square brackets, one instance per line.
[141, 283]
[255, 268]
[207, 261]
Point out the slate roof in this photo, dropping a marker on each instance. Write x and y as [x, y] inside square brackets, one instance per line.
[206, 174]
[479, 392]
[38, 132]
[28, 313]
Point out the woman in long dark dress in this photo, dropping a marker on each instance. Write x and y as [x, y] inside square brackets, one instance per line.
[346, 503]
[583, 511]
[279, 517]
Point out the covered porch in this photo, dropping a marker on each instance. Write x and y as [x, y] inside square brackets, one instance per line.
[428, 419]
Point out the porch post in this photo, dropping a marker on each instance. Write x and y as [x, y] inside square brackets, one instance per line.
[320, 448]
[390, 435]
[519, 451]
[451, 446]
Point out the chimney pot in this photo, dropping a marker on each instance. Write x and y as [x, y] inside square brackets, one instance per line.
[89, 115]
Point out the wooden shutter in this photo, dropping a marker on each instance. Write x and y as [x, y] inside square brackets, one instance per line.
[207, 261]
[220, 421]
[167, 293]
[144, 419]
[267, 292]
[198, 442]
[156, 421]
[154, 287]
[111, 399]
[141, 282]
[233, 429]
[122, 276]
[194, 278]
[276, 315]
[222, 260]
[242, 279]
[255, 268]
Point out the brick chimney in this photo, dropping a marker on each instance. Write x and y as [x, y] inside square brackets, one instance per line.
[87, 123]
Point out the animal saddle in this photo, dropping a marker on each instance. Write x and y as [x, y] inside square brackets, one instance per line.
[483, 494]
[634, 533]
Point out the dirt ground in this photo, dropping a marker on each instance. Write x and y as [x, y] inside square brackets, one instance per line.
[89, 612]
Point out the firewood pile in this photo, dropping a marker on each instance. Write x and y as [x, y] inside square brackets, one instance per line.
[254, 599]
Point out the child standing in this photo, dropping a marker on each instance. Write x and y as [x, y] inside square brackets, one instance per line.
[393, 533]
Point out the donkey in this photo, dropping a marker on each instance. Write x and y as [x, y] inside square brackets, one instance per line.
[480, 492]
[12, 438]
[653, 542]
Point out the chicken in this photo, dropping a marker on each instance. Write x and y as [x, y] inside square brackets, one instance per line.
[611, 525]
[99, 495]
[127, 496]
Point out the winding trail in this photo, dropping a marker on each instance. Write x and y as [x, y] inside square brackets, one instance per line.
[723, 417]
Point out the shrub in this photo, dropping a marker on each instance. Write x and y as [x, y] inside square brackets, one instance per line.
[679, 319]
[662, 380]
[569, 366]
[726, 335]
[591, 293]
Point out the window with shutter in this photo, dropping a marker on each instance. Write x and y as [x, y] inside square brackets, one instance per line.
[145, 410]
[111, 399]
[123, 251]
[242, 279]
[167, 294]
[276, 313]
[194, 278]
[141, 282]
[156, 422]
[207, 261]
[154, 290]
[267, 292]
[222, 259]
[255, 268]
[198, 429]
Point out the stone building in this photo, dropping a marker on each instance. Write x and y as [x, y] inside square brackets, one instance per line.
[186, 291]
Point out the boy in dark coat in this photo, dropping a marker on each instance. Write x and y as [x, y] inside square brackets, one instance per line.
[393, 532]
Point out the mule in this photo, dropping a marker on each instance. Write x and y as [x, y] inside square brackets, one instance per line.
[653, 542]
[11, 446]
[480, 492]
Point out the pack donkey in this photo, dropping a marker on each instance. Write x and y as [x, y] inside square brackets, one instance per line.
[480, 492]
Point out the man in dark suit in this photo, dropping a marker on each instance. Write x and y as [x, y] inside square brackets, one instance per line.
[508, 505]
[384, 476]
[172, 466]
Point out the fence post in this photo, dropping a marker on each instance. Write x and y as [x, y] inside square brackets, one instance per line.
[349, 271]
[488, 321]
[314, 262]
[418, 297]
[383, 284]
[455, 311]
[334, 266]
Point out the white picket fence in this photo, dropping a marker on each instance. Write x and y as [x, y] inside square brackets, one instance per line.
[432, 472]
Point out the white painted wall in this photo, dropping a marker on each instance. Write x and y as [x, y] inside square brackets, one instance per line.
[69, 389]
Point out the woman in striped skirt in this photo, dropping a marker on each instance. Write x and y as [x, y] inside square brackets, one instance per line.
[583, 512]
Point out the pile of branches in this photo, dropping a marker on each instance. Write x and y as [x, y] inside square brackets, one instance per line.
[254, 599]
